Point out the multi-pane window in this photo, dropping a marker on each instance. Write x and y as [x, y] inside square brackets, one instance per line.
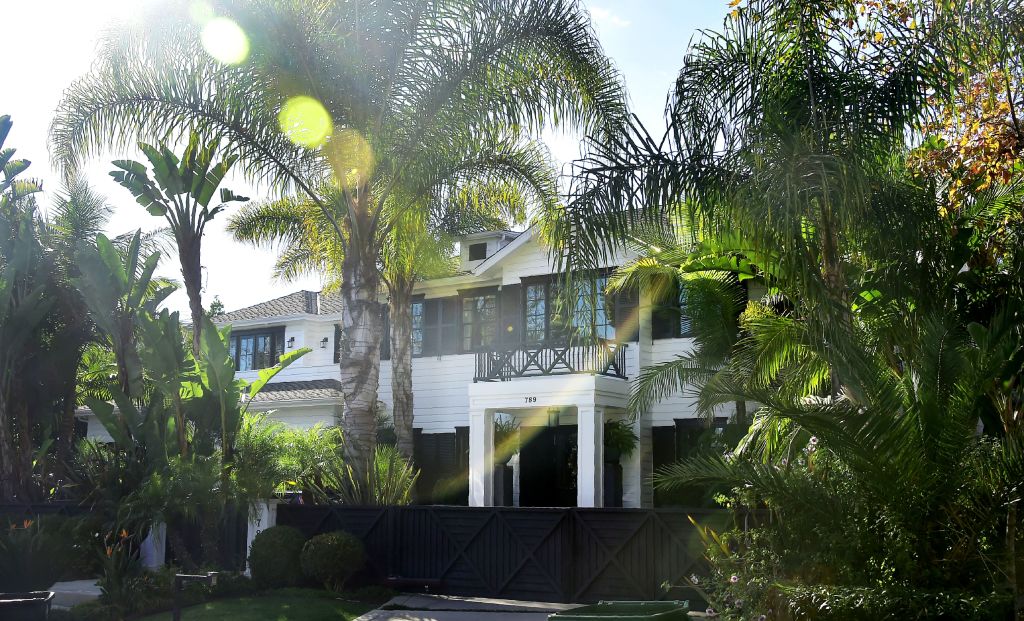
[591, 317]
[536, 313]
[252, 349]
[438, 331]
[479, 321]
[417, 328]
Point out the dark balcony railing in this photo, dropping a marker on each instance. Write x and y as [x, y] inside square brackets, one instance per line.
[602, 358]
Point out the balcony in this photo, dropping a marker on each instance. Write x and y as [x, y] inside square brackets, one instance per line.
[600, 358]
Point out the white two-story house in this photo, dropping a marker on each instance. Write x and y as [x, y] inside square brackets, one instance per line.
[490, 354]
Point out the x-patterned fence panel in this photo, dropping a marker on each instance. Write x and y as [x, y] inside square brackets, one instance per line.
[559, 555]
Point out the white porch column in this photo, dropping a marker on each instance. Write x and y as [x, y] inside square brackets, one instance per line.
[590, 456]
[152, 551]
[481, 457]
[262, 515]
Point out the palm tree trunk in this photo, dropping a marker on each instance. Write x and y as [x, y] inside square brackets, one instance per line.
[401, 363]
[8, 489]
[362, 330]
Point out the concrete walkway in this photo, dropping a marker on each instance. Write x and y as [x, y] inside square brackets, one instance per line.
[68, 594]
[450, 608]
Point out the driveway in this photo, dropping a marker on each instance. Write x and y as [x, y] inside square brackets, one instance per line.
[449, 608]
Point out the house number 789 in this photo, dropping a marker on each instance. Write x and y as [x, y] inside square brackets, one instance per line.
[531, 399]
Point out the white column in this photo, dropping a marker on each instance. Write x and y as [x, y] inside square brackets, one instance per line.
[644, 452]
[152, 551]
[481, 458]
[590, 456]
[262, 515]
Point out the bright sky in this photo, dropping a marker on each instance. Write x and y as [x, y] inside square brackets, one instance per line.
[51, 42]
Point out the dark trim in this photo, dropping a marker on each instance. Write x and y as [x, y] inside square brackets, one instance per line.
[277, 344]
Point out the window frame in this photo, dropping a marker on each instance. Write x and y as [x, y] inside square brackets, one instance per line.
[475, 342]
[277, 346]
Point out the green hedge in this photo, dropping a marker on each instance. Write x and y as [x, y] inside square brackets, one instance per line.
[274, 557]
[331, 558]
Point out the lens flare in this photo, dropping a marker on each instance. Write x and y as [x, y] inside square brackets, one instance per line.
[305, 121]
[351, 158]
[225, 40]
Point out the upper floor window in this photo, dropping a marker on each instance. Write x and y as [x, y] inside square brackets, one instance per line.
[417, 327]
[256, 349]
[435, 327]
[478, 252]
[536, 328]
[479, 321]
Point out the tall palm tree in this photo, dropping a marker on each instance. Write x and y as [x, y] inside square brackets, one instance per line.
[345, 103]
[490, 187]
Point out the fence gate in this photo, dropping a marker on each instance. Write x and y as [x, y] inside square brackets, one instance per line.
[557, 555]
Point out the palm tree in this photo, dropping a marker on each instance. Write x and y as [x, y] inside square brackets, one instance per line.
[181, 191]
[787, 147]
[345, 103]
[490, 187]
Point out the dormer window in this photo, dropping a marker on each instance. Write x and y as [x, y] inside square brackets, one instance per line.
[478, 252]
[256, 349]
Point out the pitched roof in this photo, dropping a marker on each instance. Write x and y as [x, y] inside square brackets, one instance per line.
[293, 391]
[298, 303]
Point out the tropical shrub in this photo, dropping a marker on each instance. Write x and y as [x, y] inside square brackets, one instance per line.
[390, 480]
[274, 558]
[332, 558]
[619, 438]
[30, 555]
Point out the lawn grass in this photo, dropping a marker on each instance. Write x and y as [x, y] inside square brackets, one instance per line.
[284, 605]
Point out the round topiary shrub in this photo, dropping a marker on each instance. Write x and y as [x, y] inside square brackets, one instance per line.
[274, 557]
[332, 558]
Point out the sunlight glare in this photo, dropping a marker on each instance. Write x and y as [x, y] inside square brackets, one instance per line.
[351, 158]
[225, 40]
[305, 121]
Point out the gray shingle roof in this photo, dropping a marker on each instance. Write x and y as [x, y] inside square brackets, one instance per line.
[288, 391]
[298, 303]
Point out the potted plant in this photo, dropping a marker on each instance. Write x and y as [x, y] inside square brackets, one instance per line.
[619, 440]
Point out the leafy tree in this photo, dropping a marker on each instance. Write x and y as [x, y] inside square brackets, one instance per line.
[346, 103]
[787, 149]
[180, 191]
[22, 309]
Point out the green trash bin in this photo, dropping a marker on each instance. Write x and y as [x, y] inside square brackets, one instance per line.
[626, 611]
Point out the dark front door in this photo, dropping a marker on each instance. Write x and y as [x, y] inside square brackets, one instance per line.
[547, 466]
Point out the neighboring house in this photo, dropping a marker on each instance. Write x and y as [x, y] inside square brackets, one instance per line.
[488, 343]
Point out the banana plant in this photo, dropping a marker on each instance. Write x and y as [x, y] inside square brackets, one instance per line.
[180, 191]
[116, 290]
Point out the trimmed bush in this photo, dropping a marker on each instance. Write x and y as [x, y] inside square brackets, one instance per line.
[332, 558]
[274, 557]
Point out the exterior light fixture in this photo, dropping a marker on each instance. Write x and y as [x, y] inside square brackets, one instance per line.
[291, 342]
[323, 343]
[553, 417]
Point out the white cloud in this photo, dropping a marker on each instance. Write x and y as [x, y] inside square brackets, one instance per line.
[604, 17]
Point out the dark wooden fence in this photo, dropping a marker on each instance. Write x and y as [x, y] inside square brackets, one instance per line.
[557, 555]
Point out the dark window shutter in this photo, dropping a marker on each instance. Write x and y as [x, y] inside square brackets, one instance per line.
[665, 316]
[385, 341]
[451, 325]
[663, 445]
[510, 327]
[337, 343]
[626, 319]
[431, 327]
